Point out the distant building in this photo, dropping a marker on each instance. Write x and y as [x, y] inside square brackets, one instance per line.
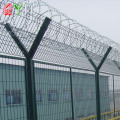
[53, 93]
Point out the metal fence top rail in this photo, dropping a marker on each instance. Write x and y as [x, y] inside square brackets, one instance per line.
[63, 40]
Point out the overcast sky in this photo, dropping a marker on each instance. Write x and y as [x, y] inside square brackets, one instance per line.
[102, 16]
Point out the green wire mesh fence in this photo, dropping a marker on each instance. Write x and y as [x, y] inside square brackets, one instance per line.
[50, 67]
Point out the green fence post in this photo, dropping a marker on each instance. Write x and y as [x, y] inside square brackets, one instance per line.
[30, 89]
[97, 69]
[114, 94]
[72, 98]
[97, 94]
[29, 67]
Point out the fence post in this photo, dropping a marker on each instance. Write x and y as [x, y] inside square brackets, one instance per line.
[29, 67]
[114, 94]
[30, 89]
[97, 69]
[72, 98]
[97, 94]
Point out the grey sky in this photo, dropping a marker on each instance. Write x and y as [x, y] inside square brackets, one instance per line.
[102, 16]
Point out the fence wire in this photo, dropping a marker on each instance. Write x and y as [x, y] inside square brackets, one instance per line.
[12, 89]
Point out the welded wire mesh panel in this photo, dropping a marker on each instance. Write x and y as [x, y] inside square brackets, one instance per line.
[106, 96]
[84, 93]
[53, 92]
[117, 94]
[12, 89]
[111, 92]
